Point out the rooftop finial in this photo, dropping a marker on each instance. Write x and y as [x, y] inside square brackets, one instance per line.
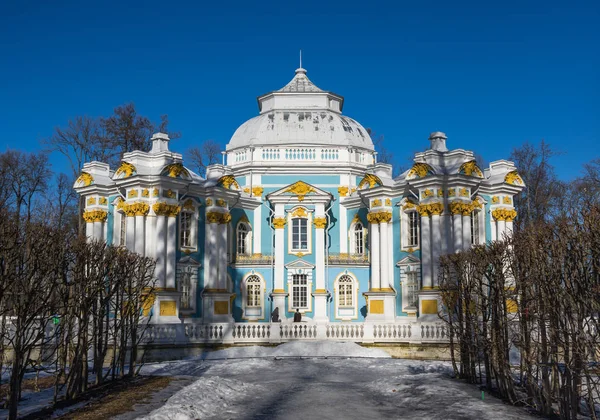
[300, 58]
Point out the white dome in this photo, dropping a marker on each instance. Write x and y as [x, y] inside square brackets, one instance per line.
[301, 114]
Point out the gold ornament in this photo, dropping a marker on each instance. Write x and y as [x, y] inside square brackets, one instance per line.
[103, 201]
[170, 194]
[463, 192]
[155, 192]
[221, 202]
[301, 189]
[513, 178]
[440, 192]
[388, 202]
[91, 201]
[432, 209]
[343, 191]
[300, 212]
[145, 192]
[371, 180]
[427, 193]
[132, 194]
[164, 209]
[506, 200]
[85, 180]
[92, 216]
[225, 218]
[408, 205]
[279, 222]
[320, 222]
[257, 191]
[175, 170]
[495, 199]
[376, 203]
[126, 169]
[420, 170]
[379, 217]
[451, 192]
[227, 181]
[247, 190]
[470, 169]
[213, 217]
[189, 205]
[209, 202]
[504, 214]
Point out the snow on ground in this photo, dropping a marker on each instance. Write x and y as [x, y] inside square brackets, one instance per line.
[325, 380]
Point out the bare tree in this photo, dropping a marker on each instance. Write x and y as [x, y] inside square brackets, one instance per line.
[201, 157]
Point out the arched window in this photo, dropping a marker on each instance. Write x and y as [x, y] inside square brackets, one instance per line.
[253, 292]
[345, 291]
[358, 236]
[243, 239]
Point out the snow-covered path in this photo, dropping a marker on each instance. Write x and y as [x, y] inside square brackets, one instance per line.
[280, 387]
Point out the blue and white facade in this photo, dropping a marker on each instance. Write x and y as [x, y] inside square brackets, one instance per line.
[300, 216]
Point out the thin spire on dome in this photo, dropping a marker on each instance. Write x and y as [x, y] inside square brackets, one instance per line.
[300, 58]
[300, 83]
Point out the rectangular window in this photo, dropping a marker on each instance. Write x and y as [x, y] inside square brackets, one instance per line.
[186, 229]
[475, 228]
[413, 229]
[253, 295]
[299, 234]
[299, 291]
[412, 288]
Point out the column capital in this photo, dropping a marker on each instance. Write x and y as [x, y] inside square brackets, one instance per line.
[218, 217]
[431, 209]
[164, 209]
[91, 216]
[320, 222]
[279, 222]
[504, 214]
[379, 217]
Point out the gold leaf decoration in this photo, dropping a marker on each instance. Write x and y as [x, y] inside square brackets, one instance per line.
[92, 216]
[470, 169]
[300, 212]
[227, 182]
[279, 222]
[370, 180]
[84, 180]
[513, 178]
[175, 170]
[125, 170]
[419, 170]
[320, 222]
[300, 189]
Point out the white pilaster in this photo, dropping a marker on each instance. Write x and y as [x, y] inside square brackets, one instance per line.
[150, 236]
[426, 251]
[130, 237]
[457, 231]
[320, 293]
[222, 256]
[343, 229]
[501, 229]
[210, 261]
[161, 250]
[466, 231]
[257, 230]
[375, 256]
[278, 292]
[437, 238]
[384, 255]
[140, 234]
[98, 230]
[171, 256]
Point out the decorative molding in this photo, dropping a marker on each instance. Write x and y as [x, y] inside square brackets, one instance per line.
[257, 191]
[376, 203]
[420, 170]
[169, 194]
[495, 199]
[134, 209]
[506, 200]
[427, 192]
[343, 191]
[132, 193]
[175, 170]
[209, 202]
[103, 201]
[218, 217]
[221, 202]
[371, 180]
[91, 201]
[463, 192]
[92, 216]
[155, 192]
[189, 205]
[300, 212]
[227, 182]
[440, 192]
[145, 192]
[452, 192]
[432, 209]
[379, 217]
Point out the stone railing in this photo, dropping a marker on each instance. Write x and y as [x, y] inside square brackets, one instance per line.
[318, 154]
[348, 259]
[360, 332]
[253, 259]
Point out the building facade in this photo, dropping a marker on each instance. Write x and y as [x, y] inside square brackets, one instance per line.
[299, 217]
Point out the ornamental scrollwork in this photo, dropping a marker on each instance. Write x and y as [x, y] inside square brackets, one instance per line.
[92, 216]
[257, 191]
[132, 194]
[427, 193]
[91, 201]
[432, 209]
[134, 209]
[343, 191]
[419, 170]
[84, 180]
[125, 170]
[513, 178]
[221, 202]
[470, 169]
[300, 212]
[228, 181]
[506, 200]
[320, 222]
[379, 217]
[146, 192]
[300, 189]
[103, 201]
[370, 180]
[175, 170]
[376, 203]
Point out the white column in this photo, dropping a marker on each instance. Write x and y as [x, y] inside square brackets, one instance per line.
[501, 229]
[161, 249]
[466, 231]
[140, 234]
[256, 230]
[319, 250]
[130, 236]
[384, 255]
[222, 255]
[375, 256]
[436, 242]
[89, 230]
[508, 228]
[210, 260]
[426, 251]
[279, 249]
[171, 256]
[457, 231]
[98, 230]
[150, 236]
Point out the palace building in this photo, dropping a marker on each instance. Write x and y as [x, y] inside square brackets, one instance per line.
[300, 216]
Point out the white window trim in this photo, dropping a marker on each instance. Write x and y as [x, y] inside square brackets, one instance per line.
[120, 217]
[248, 238]
[193, 228]
[253, 313]
[404, 269]
[290, 283]
[346, 313]
[309, 229]
[405, 227]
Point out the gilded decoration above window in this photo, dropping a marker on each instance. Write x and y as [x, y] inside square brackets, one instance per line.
[175, 170]
[125, 170]
[228, 182]
[513, 178]
[420, 170]
[84, 180]
[470, 169]
[369, 181]
[300, 189]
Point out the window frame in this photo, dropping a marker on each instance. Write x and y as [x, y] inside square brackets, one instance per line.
[354, 243]
[256, 312]
[344, 310]
[189, 208]
[247, 239]
[410, 266]
[301, 213]
[408, 231]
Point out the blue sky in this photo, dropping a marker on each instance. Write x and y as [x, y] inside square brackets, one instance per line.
[490, 75]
